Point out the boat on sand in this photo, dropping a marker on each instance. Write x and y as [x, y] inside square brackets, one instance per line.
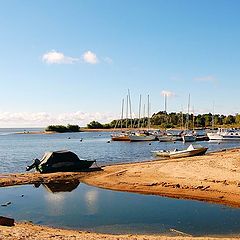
[60, 161]
[192, 150]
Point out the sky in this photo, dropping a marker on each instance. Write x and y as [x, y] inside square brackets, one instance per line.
[73, 61]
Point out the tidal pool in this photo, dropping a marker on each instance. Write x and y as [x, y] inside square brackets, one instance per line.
[79, 206]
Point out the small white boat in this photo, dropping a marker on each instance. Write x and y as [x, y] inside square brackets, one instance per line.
[189, 138]
[192, 150]
[162, 153]
[138, 137]
[225, 134]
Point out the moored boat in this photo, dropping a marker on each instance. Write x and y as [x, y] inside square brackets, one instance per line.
[120, 137]
[141, 136]
[189, 137]
[225, 134]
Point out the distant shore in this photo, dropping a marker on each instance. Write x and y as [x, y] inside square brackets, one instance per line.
[81, 130]
[214, 177]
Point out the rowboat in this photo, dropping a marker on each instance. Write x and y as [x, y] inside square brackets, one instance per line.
[192, 150]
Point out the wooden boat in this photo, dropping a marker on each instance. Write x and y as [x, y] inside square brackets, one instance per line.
[60, 161]
[192, 150]
[120, 137]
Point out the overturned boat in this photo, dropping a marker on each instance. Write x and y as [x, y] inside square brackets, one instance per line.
[192, 150]
[60, 161]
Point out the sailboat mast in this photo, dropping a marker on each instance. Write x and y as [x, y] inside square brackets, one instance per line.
[139, 112]
[148, 114]
[143, 122]
[213, 117]
[130, 108]
[187, 122]
[127, 112]
[122, 114]
[182, 117]
[193, 118]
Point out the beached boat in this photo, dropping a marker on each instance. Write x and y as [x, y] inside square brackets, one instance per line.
[60, 161]
[225, 134]
[161, 153]
[192, 150]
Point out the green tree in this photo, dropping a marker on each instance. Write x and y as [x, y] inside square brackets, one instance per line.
[95, 125]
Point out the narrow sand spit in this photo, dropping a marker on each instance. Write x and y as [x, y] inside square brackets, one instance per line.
[214, 177]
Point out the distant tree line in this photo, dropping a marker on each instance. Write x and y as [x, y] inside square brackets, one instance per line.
[172, 120]
[62, 129]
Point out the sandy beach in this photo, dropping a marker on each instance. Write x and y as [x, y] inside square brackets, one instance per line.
[214, 177]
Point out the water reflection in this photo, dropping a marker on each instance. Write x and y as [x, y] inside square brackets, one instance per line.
[56, 187]
[91, 198]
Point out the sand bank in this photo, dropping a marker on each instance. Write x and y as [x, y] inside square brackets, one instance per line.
[214, 177]
[29, 231]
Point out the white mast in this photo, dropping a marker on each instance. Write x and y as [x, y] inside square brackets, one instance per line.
[130, 108]
[127, 112]
[122, 113]
[187, 120]
[213, 117]
[148, 114]
[139, 112]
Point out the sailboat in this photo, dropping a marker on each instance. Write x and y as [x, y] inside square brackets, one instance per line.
[165, 136]
[122, 136]
[142, 135]
[188, 136]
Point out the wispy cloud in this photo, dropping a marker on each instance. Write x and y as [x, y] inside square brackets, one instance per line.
[24, 119]
[168, 93]
[208, 78]
[54, 57]
[90, 57]
[108, 60]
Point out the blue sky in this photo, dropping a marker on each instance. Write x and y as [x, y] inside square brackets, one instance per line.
[73, 61]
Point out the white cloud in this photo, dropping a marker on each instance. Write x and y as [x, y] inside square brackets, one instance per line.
[209, 78]
[42, 119]
[90, 57]
[54, 57]
[168, 93]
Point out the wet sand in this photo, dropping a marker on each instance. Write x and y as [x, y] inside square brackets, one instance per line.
[22, 231]
[214, 177]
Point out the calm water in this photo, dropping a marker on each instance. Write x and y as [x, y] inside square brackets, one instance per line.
[90, 208]
[18, 150]
[94, 209]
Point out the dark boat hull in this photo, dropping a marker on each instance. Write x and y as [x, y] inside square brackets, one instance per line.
[66, 167]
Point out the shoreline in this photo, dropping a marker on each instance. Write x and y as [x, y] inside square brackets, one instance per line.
[214, 178]
[27, 230]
